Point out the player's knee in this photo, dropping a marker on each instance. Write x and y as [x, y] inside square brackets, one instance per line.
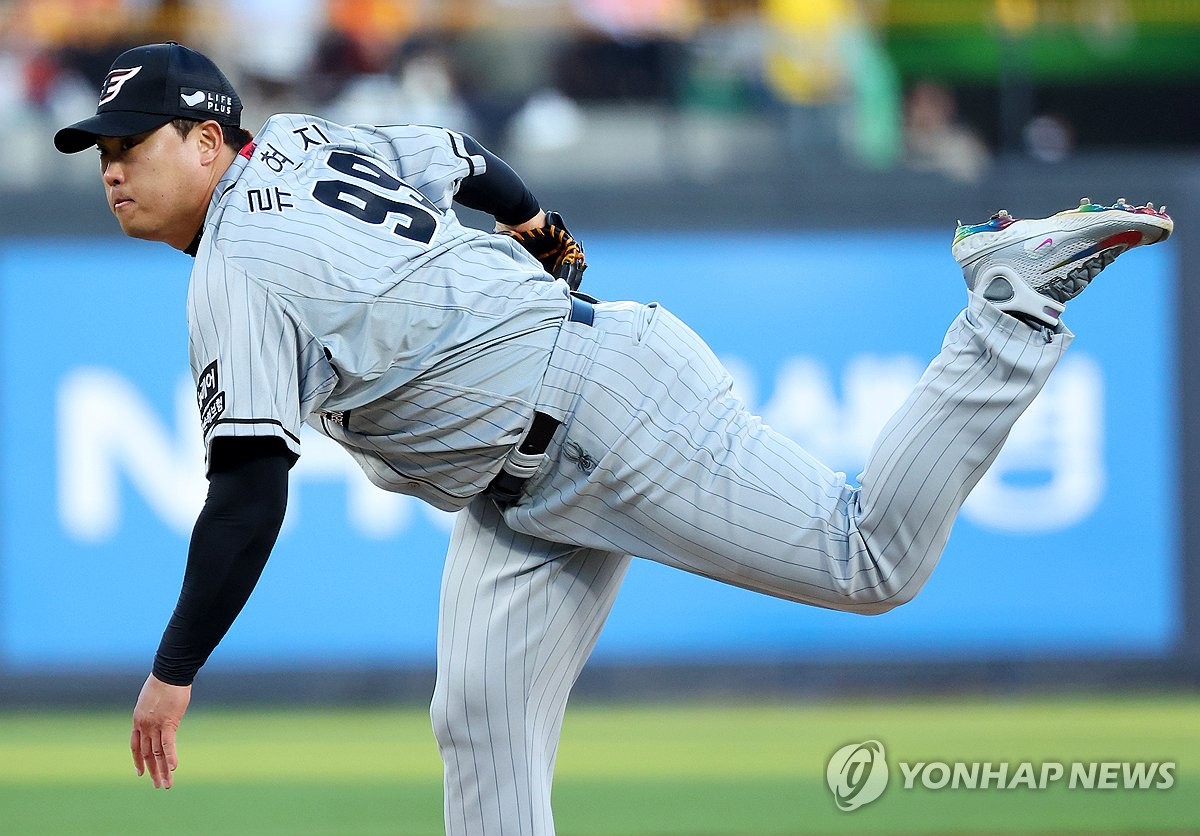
[451, 712]
[876, 607]
[882, 580]
[879, 599]
[446, 715]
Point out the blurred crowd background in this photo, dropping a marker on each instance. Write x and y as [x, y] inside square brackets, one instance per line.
[778, 142]
[603, 89]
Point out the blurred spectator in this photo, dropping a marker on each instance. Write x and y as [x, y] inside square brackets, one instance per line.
[825, 66]
[420, 91]
[804, 61]
[384, 62]
[61, 39]
[85, 35]
[270, 43]
[361, 38]
[805, 69]
[39, 74]
[171, 20]
[55, 49]
[1049, 138]
[54, 54]
[596, 67]
[548, 122]
[635, 50]
[725, 64]
[934, 138]
[497, 67]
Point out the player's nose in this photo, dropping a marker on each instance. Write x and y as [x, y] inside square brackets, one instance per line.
[112, 174]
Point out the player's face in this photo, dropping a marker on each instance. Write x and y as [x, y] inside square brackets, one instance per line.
[155, 184]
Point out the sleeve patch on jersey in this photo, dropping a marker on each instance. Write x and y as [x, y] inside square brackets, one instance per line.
[210, 414]
[209, 397]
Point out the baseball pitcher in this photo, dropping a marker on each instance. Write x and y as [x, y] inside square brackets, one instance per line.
[334, 286]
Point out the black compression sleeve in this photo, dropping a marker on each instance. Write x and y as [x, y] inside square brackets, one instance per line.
[234, 535]
[497, 190]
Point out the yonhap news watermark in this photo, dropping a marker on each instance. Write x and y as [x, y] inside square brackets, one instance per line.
[858, 774]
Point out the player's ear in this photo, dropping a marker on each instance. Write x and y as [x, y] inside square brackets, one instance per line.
[209, 139]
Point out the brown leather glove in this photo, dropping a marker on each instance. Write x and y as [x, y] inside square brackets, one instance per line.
[559, 253]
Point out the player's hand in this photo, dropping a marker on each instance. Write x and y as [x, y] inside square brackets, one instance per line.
[156, 718]
[551, 243]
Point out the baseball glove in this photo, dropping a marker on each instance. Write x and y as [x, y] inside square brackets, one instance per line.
[559, 253]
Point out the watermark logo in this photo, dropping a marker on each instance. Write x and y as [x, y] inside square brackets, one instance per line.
[1092, 775]
[857, 774]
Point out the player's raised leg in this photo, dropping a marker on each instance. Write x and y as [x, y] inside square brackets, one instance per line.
[938, 446]
[722, 495]
[681, 474]
[519, 617]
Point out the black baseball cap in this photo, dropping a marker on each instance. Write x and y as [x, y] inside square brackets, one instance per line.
[147, 87]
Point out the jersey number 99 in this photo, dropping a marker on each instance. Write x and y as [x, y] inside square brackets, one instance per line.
[418, 217]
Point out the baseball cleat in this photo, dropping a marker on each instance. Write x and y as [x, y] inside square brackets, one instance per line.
[1032, 268]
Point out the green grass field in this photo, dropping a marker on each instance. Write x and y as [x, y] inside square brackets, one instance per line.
[682, 769]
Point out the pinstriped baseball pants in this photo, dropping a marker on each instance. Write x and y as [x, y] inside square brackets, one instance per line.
[655, 458]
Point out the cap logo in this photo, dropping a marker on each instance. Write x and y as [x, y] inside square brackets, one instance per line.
[195, 99]
[114, 82]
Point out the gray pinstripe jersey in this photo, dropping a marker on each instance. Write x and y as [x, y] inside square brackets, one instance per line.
[335, 286]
